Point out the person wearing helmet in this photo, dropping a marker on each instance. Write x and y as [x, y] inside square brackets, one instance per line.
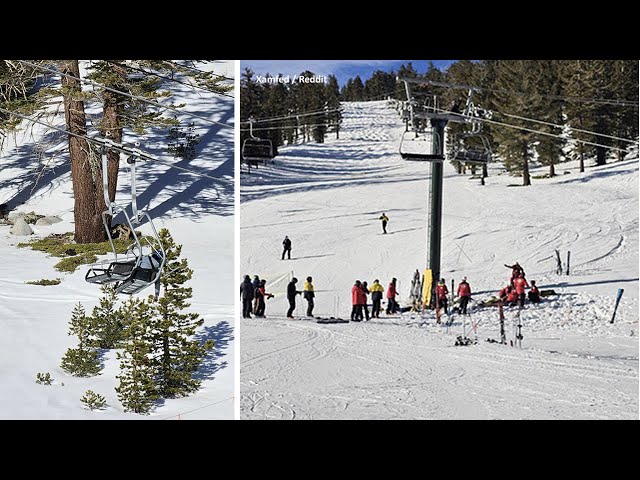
[309, 295]
[516, 270]
[291, 296]
[262, 293]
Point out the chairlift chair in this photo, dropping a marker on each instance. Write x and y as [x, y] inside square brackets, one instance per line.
[255, 150]
[141, 265]
[421, 148]
[475, 155]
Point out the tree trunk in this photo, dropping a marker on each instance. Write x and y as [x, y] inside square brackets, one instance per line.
[485, 171]
[601, 156]
[526, 178]
[86, 172]
[552, 170]
[581, 160]
[112, 110]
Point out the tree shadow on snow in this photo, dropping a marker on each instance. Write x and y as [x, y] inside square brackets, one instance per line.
[221, 334]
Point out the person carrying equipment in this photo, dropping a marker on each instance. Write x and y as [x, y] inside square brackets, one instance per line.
[464, 293]
[261, 297]
[376, 298]
[309, 295]
[286, 243]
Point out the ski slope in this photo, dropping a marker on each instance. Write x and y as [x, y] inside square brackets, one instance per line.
[199, 214]
[327, 198]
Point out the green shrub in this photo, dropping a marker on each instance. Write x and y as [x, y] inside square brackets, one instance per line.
[44, 282]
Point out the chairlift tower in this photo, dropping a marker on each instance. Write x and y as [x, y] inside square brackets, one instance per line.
[432, 151]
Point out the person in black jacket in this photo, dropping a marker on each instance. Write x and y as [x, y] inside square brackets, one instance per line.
[246, 293]
[291, 296]
[256, 284]
[286, 243]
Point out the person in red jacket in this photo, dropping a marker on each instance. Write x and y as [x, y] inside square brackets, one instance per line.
[358, 299]
[512, 297]
[534, 293]
[504, 293]
[516, 270]
[519, 284]
[464, 293]
[441, 295]
[392, 305]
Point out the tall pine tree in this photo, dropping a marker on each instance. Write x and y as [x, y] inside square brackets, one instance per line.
[175, 357]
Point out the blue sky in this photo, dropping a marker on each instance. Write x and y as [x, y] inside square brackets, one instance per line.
[342, 69]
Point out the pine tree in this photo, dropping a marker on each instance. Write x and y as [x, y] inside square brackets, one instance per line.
[175, 357]
[82, 361]
[332, 94]
[137, 389]
[107, 321]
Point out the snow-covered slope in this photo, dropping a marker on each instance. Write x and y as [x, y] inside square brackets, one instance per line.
[198, 212]
[327, 198]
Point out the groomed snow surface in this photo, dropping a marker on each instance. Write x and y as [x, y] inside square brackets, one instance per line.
[199, 214]
[327, 198]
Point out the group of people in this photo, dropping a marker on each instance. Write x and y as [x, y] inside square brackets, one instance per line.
[309, 295]
[442, 292]
[360, 307]
[253, 295]
[514, 293]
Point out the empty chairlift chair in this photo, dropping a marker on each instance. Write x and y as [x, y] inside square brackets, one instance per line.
[256, 150]
[143, 262]
[425, 147]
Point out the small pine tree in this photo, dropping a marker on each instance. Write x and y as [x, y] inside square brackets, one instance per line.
[107, 321]
[44, 378]
[137, 390]
[82, 361]
[93, 400]
[175, 357]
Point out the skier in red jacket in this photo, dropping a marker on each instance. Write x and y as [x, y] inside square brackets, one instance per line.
[358, 299]
[504, 293]
[441, 295]
[516, 270]
[464, 292]
[519, 284]
[392, 305]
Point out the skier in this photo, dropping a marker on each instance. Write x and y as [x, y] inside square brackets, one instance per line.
[357, 300]
[441, 294]
[464, 293]
[256, 284]
[519, 284]
[516, 270]
[392, 305]
[534, 293]
[291, 296]
[261, 297]
[286, 243]
[309, 296]
[385, 220]
[365, 308]
[246, 293]
[376, 298]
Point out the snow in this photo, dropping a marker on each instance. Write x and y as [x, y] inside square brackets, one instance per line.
[199, 214]
[327, 198]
